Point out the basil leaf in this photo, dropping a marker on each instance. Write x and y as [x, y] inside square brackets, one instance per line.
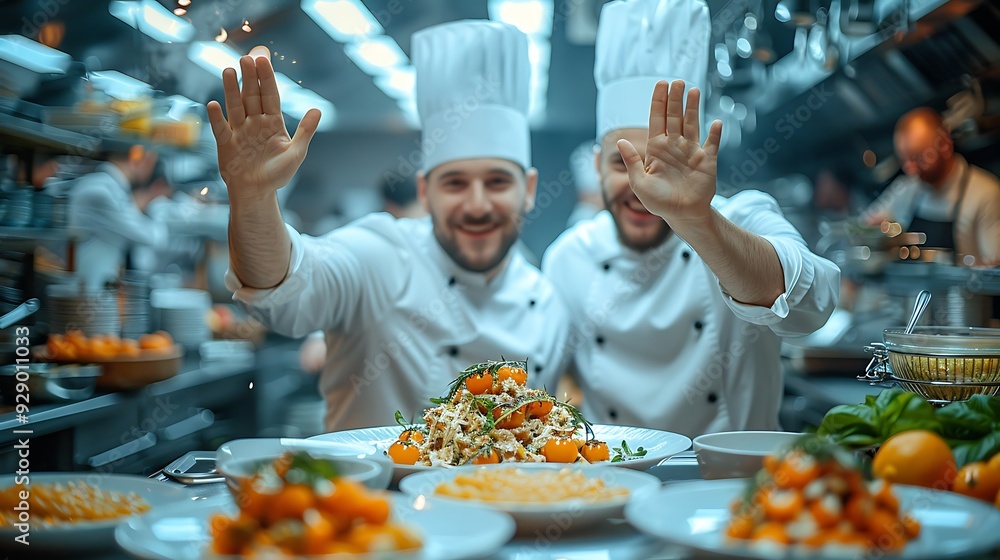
[959, 420]
[912, 413]
[848, 420]
[977, 450]
[889, 400]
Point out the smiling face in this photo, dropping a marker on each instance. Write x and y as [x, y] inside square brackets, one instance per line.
[477, 206]
[637, 228]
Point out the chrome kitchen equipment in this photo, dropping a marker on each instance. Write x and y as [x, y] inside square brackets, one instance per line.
[18, 313]
[941, 364]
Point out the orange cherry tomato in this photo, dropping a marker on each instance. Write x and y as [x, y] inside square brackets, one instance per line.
[490, 458]
[539, 409]
[978, 480]
[517, 374]
[560, 450]
[479, 384]
[415, 436]
[291, 503]
[513, 420]
[740, 527]
[595, 451]
[404, 453]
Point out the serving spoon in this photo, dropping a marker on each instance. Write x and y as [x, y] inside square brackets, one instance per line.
[923, 298]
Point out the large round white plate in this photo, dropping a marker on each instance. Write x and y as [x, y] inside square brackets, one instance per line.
[86, 536]
[695, 514]
[568, 515]
[659, 445]
[449, 531]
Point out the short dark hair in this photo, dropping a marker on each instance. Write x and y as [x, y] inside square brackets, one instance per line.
[398, 189]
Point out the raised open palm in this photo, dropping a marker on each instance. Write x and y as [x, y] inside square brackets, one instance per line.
[256, 155]
[677, 178]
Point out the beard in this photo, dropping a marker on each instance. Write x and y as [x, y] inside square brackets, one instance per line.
[447, 238]
[615, 206]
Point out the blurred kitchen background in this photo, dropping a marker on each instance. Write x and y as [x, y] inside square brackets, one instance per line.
[808, 90]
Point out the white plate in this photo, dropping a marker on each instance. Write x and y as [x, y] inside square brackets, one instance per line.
[568, 515]
[89, 536]
[695, 514]
[253, 449]
[659, 445]
[449, 531]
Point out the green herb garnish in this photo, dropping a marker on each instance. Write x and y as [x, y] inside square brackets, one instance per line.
[624, 453]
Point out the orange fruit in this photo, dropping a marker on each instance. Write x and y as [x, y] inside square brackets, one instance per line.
[157, 340]
[994, 462]
[595, 451]
[129, 348]
[917, 457]
[404, 453]
[560, 450]
[978, 480]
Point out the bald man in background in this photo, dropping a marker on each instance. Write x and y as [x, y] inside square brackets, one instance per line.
[955, 203]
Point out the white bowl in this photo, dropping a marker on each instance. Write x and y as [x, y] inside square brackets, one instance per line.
[737, 454]
[237, 459]
[566, 515]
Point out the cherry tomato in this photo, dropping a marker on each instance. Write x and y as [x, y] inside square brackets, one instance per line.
[488, 458]
[291, 503]
[415, 436]
[479, 384]
[560, 450]
[517, 374]
[513, 420]
[595, 451]
[539, 409]
[404, 453]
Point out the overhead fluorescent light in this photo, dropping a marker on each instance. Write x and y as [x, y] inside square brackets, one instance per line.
[532, 17]
[214, 57]
[32, 55]
[398, 83]
[152, 19]
[118, 85]
[376, 55]
[297, 100]
[344, 20]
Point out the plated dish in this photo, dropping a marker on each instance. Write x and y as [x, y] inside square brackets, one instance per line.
[300, 505]
[448, 531]
[536, 494]
[75, 513]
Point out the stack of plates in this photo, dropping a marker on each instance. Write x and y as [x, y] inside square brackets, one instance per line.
[19, 204]
[135, 305]
[93, 312]
[182, 314]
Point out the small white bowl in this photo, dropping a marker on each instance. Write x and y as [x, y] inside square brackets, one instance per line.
[237, 458]
[737, 454]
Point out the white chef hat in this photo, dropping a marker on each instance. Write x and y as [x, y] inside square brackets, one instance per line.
[640, 42]
[473, 85]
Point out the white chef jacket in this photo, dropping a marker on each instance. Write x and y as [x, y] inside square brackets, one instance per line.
[658, 343]
[402, 319]
[101, 206]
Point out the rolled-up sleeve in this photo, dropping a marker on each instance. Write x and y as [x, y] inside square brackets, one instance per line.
[331, 281]
[812, 283]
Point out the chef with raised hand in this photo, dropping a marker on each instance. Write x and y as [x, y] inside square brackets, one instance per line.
[406, 304]
[679, 297]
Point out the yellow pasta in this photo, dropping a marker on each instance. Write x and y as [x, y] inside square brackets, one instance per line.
[68, 503]
[513, 485]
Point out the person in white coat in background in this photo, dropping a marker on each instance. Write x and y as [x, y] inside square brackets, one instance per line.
[679, 297]
[406, 304]
[106, 206]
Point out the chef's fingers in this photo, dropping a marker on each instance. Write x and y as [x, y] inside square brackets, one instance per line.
[305, 131]
[220, 128]
[691, 129]
[633, 161]
[675, 107]
[714, 138]
[270, 101]
[251, 87]
[658, 109]
[234, 103]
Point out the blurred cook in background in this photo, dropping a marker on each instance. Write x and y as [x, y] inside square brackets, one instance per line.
[956, 204]
[679, 296]
[587, 182]
[107, 207]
